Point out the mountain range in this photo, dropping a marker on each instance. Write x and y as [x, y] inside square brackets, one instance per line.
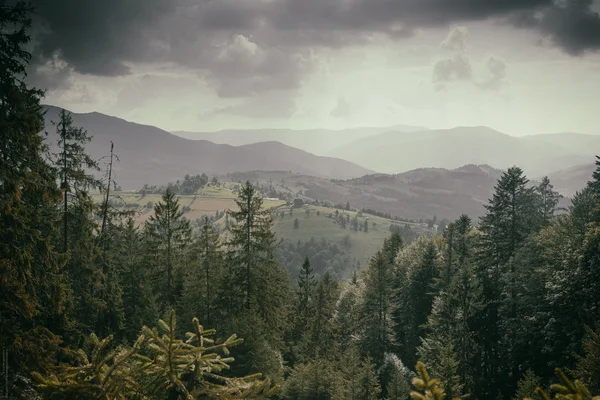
[316, 141]
[400, 148]
[151, 155]
[396, 151]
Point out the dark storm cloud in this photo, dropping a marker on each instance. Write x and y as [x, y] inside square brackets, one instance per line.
[97, 37]
[243, 47]
[571, 25]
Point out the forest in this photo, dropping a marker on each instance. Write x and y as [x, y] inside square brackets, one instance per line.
[93, 306]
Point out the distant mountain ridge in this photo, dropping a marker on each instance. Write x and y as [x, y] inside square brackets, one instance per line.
[154, 156]
[316, 141]
[397, 151]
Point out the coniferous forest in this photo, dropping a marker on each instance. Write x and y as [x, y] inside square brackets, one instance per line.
[93, 306]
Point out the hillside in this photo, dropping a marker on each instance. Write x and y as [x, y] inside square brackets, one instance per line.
[397, 151]
[150, 155]
[570, 180]
[317, 141]
[315, 221]
[420, 193]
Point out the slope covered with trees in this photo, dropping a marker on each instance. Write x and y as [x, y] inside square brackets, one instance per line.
[491, 307]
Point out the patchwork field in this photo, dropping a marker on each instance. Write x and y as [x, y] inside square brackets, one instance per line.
[317, 223]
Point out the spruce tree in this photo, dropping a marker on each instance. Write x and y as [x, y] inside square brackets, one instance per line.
[203, 275]
[421, 294]
[548, 200]
[351, 369]
[588, 364]
[139, 301]
[319, 336]
[304, 297]
[510, 217]
[348, 313]
[378, 278]
[256, 277]
[33, 287]
[73, 164]
[594, 184]
[168, 236]
[368, 384]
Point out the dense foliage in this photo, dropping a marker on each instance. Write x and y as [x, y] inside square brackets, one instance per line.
[490, 307]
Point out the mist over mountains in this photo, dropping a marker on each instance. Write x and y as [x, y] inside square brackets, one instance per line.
[399, 149]
[150, 155]
[154, 156]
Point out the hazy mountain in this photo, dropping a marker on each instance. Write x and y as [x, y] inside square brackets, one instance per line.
[317, 141]
[397, 151]
[570, 180]
[150, 155]
[420, 193]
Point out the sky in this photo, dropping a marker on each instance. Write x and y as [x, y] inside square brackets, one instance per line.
[519, 66]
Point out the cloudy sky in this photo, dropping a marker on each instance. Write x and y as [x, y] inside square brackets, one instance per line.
[519, 66]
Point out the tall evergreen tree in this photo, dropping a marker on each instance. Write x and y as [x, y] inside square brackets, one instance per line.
[168, 236]
[414, 290]
[378, 279]
[33, 289]
[348, 313]
[73, 165]
[204, 273]
[319, 336]
[257, 278]
[303, 306]
[368, 384]
[509, 219]
[139, 301]
[548, 200]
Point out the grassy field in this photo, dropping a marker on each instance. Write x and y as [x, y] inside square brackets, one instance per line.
[316, 223]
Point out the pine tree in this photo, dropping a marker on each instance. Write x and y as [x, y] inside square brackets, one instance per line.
[139, 306]
[319, 337]
[509, 219]
[257, 277]
[168, 235]
[527, 385]
[548, 200]
[73, 164]
[378, 280]
[397, 387]
[318, 380]
[440, 356]
[203, 275]
[351, 369]
[588, 365]
[33, 287]
[348, 312]
[594, 184]
[158, 366]
[305, 291]
[368, 384]
[420, 291]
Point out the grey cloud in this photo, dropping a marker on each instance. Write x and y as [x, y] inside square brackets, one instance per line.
[570, 24]
[456, 39]
[456, 68]
[496, 78]
[342, 108]
[459, 66]
[108, 37]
